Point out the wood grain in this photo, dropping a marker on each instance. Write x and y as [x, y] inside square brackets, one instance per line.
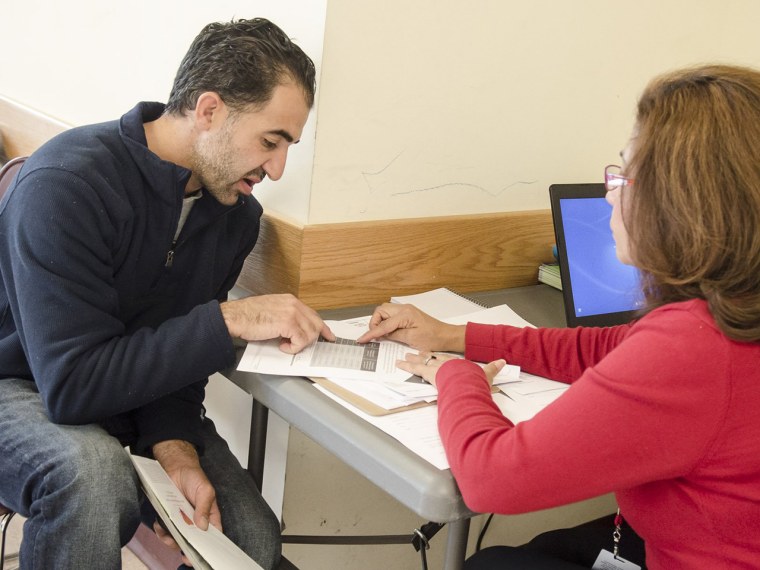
[24, 129]
[357, 263]
[274, 264]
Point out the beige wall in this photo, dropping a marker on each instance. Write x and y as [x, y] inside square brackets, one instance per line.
[85, 61]
[426, 107]
[432, 107]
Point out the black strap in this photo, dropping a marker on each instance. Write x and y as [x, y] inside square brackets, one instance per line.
[346, 539]
[420, 539]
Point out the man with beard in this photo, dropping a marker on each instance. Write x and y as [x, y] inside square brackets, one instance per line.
[120, 242]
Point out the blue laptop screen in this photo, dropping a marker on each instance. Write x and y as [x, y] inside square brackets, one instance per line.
[600, 282]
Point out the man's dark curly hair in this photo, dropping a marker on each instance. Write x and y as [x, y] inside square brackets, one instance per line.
[243, 61]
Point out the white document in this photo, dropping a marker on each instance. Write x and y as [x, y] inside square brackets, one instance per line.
[415, 387]
[529, 384]
[206, 549]
[529, 396]
[418, 429]
[415, 429]
[341, 359]
[379, 393]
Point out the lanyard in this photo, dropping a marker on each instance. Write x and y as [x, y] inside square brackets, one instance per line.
[616, 533]
[612, 560]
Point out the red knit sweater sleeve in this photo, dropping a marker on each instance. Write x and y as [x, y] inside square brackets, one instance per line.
[559, 354]
[607, 431]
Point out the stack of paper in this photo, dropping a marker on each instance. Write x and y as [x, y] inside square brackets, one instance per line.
[417, 429]
[529, 396]
[367, 370]
[364, 378]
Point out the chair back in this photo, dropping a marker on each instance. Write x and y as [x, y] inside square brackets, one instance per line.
[8, 173]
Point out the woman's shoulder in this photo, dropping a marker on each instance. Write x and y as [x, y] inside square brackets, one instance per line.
[684, 335]
[681, 314]
[673, 335]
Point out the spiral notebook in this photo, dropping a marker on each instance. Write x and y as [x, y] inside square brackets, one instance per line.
[440, 303]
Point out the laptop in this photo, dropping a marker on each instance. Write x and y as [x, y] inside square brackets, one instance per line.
[598, 289]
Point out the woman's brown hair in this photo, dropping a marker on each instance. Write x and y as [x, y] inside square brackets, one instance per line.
[693, 214]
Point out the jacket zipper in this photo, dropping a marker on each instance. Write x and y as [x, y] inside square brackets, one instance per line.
[170, 255]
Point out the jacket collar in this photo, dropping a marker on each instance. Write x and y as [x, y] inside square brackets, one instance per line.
[160, 174]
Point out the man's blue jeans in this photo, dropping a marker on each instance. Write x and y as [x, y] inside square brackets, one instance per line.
[81, 496]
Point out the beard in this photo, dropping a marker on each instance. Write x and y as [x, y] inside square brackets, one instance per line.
[212, 162]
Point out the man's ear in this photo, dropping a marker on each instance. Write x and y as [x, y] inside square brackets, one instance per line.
[209, 110]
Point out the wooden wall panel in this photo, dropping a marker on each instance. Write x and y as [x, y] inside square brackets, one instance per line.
[274, 264]
[24, 129]
[358, 263]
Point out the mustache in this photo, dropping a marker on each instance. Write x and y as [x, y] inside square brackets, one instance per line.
[258, 173]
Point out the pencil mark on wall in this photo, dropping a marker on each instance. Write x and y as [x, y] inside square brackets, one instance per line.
[468, 185]
[388, 178]
[368, 175]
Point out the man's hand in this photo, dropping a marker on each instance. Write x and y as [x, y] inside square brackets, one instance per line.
[408, 324]
[180, 461]
[263, 317]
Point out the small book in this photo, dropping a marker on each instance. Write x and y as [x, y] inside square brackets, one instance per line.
[207, 549]
[440, 303]
[548, 273]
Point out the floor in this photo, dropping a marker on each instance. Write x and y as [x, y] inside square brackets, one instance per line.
[128, 560]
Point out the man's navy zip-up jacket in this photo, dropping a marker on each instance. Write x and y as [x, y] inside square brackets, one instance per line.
[90, 310]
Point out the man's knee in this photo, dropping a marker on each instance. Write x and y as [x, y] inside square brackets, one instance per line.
[257, 532]
[96, 473]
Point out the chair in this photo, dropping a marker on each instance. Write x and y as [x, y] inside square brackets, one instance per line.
[7, 174]
[5, 518]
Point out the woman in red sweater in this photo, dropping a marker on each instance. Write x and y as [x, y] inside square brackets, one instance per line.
[664, 411]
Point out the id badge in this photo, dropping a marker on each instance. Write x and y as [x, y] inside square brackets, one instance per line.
[607, 561]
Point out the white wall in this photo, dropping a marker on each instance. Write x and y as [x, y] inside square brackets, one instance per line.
[85, 61]
[425, 107]
[434, 107]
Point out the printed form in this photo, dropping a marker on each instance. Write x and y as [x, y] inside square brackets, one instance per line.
[344, 358]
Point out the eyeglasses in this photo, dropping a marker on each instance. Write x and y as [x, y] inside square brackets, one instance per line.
[614, 179]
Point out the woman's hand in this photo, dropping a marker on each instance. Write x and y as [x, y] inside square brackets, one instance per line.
[411, 326]
[427, 364]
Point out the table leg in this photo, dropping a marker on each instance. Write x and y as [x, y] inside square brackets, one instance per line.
[257, 444]
[456, 544]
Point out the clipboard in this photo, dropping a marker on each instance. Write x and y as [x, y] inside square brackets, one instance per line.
[366, 405]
